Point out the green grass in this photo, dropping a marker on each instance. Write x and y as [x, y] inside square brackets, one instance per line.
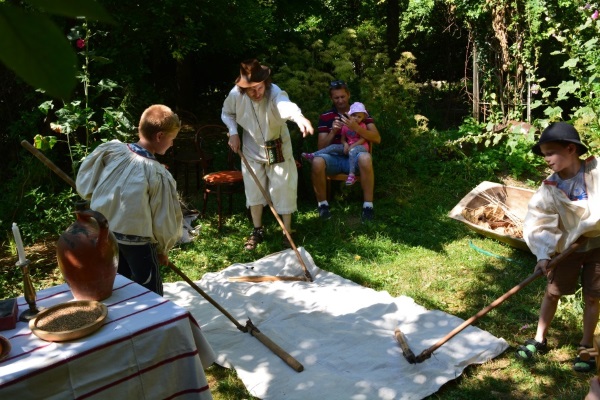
[411, 249]
[414, 249]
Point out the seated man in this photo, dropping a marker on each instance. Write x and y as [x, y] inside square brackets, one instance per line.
[330, 125]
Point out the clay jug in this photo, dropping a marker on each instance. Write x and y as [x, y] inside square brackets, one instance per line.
[88, 256]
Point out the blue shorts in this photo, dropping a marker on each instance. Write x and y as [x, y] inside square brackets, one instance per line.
[336, 164]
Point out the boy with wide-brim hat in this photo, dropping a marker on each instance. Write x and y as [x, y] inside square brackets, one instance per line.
[565, 208]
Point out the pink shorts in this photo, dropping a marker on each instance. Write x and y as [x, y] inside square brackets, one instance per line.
[564, 278]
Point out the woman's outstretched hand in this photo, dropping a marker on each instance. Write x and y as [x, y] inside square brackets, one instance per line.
[305, 126]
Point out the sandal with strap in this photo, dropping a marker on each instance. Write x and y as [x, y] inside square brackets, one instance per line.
[584, 364]
[580, 365]
[255, 238]
[530, 348]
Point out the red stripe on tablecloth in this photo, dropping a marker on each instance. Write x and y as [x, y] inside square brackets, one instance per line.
[25, 352]
[129, 298]
[43, 298]
[137, 312]
[123, 286]
[105, 345]
[68, 290]
[143, 371]
[193, 321]
[28, 333]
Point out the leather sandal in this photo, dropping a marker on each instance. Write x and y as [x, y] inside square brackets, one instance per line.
[530, 348]
[254, 239]
[580, 365]
[584, 366]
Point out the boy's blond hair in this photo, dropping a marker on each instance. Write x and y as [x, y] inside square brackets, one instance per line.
[158, 118]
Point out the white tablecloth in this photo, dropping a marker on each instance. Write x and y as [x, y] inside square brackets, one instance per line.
[147, 348]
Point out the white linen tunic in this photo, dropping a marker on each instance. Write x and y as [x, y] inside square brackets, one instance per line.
[553, 221]
[136, 194]
[263, 121]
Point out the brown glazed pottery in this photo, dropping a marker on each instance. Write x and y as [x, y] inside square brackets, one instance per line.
[88, 256]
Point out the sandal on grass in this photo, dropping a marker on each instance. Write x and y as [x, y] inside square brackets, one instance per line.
[584, 362]
[255, 238]
[530, 348]
[584, 366]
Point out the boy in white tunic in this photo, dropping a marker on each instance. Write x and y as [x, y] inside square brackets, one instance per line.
[138, 196]
[565, 207]
[262, 110]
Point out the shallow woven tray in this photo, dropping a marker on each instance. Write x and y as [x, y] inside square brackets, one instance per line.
[76, 333]
[515, 198]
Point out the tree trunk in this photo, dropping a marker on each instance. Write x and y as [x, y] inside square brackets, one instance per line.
[393, 30]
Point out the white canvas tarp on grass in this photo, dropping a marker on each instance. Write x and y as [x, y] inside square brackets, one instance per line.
[341, 332]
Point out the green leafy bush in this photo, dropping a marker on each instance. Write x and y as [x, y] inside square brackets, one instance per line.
[499, 148]
[99, 115]
[581, 48]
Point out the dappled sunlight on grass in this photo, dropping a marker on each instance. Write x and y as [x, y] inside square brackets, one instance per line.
[412, 248]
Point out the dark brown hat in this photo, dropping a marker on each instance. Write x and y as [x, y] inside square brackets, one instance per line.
[560, 132]
[252, 73]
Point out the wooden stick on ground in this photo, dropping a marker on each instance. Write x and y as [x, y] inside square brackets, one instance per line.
[266, 278]
[277, 217]
[425, 354]
[250, 328]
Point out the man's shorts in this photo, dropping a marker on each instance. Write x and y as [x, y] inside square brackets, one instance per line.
[336, 164]
[564, 277]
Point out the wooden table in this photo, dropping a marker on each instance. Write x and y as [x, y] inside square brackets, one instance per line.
[147, 348]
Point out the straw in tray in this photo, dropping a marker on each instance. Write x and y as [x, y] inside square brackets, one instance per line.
[495, 215]
[507, 212]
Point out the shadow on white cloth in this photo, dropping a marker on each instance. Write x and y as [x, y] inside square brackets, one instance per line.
[341, 332]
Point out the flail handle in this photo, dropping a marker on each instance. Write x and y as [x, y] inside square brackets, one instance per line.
[425, 354]
[276, 215]
[278, 351]
[40, 156]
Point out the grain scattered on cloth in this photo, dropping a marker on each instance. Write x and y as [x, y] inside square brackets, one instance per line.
[341, 332]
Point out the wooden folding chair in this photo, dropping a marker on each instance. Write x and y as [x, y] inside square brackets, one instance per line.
[220, 174]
